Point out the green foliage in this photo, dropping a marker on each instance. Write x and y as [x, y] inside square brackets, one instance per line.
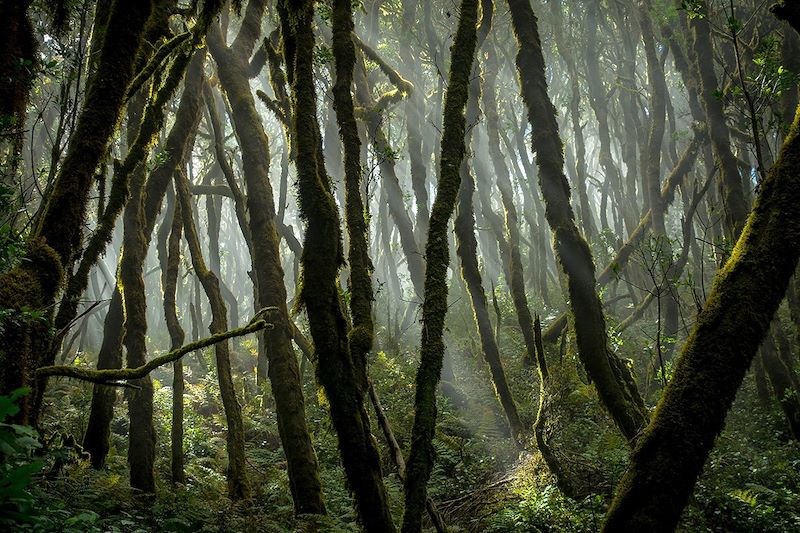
[17, 468]
[547, 510]
[323, 55]
[11, 242]
[693, 8]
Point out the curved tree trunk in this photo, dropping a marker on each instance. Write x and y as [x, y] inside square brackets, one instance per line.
[670, 454]
[170, 258]
[238, 486]
[341, 368]
[284, 371]
[613, 380]
[437, 254]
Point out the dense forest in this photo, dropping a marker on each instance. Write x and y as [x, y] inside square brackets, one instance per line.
[386, 265]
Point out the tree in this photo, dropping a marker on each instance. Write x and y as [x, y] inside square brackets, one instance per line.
[341, 366]
[613, 380]
[437, 255]
[671, 452]
[56, 237]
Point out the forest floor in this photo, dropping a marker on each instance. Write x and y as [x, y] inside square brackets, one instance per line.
[481, 483]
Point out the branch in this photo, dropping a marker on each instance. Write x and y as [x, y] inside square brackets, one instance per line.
[156, 61]
[273, 106]
[115, 374]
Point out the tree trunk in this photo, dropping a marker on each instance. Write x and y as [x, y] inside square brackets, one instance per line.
[613, 380]
[169, 282]
[238, 486]
[670, 454]
[341, 367]
[284, 372]
[437, 254]
[57, 234]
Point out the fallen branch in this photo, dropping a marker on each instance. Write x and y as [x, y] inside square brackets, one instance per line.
[106, 376]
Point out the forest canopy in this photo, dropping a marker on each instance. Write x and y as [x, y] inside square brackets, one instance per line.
[385, 265]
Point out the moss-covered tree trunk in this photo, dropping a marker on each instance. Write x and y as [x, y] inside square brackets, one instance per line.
[170, 259]
[612, 379]
[177, 147]
[18, 64]
[238, 486]
[670, 454]
[341, 368]
[361, 335]
[284, 373]
[437, 254]
[141, 432]
[56, 238]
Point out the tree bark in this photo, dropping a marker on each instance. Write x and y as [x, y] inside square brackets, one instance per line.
[284, 372]
[341, 366]
[670, 454]
[238, 486]
[56, 237]
[613, 380]
[437, 254]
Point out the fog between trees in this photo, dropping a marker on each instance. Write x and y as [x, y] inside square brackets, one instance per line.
[399, 266]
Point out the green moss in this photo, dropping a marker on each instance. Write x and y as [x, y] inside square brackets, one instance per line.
[670, 454]
[434, 307]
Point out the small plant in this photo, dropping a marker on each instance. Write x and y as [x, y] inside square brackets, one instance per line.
[17, 443]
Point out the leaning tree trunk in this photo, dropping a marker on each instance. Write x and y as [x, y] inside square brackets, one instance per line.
[284, 372]
[341, 371]
[437, 254]
[467, 251]
[747, 291]
[35, 282]
[238, 486]
[613, 380]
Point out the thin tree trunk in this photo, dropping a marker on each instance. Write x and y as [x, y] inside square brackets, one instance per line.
[238, 486]
[169, 281]
[437, 254]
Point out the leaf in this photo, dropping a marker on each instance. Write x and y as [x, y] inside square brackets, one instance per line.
[176, 524]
